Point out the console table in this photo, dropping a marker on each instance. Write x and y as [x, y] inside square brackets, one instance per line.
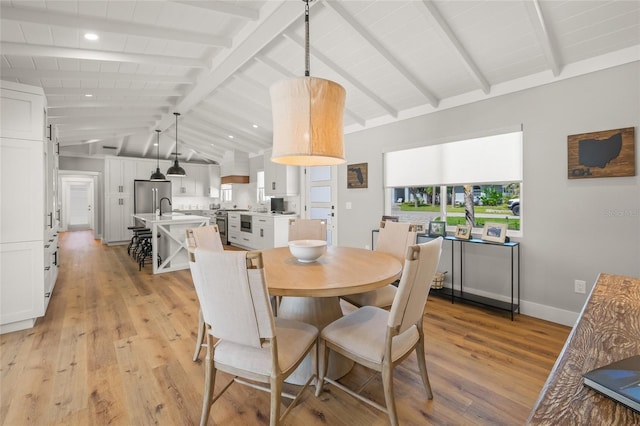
[513, 305]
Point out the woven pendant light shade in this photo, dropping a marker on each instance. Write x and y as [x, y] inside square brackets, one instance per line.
[308, 122]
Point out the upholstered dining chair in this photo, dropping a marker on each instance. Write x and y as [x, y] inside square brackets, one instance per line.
[205, 237]
[393, 238]
[379, 339]
[307, 229]
[252, 345]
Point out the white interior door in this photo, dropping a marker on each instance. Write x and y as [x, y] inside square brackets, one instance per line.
[77, 203]
[80, 207]
[321, 198]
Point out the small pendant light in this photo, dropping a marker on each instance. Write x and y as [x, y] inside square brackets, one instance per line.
[158, 174]
[176, 170]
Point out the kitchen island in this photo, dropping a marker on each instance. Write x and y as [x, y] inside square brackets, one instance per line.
[168, 238]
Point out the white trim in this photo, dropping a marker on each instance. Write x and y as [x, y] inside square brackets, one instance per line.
[532, 309]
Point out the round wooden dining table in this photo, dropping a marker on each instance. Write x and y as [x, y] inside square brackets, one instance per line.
[311, 290]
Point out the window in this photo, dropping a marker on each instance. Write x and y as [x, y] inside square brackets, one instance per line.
[474, 178]
[226, 193]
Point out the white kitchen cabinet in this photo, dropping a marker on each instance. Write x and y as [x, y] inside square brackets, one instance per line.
[22, 298]
[233, 231]
[267, 231]
[145, 168]
[120, 174]
[22, 184]
[118, 217]
[27, 169]
[246, 240]
[281, 230]
[262, 228]
[22, 109]
[50, 168]
[280, 180]
[51, 265]
[194, 184]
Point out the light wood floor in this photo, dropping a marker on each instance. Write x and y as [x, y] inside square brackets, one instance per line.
[115, 348]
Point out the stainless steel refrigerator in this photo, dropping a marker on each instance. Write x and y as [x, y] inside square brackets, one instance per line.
[147, 195]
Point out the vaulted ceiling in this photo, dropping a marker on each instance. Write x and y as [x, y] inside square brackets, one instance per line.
[214, 61]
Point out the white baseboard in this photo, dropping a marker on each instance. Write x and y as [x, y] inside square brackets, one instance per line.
[17, 326]
[549, 313]
[532, 309]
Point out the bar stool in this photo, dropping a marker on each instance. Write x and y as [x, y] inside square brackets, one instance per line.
[142, 236]
[146, 250]
[134, 238]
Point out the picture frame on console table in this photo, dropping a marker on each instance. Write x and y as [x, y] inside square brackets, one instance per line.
[437, 228]
[463, 232]
[494, 232]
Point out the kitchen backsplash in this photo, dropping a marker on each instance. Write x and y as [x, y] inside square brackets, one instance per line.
[242, 199]
[193, 203]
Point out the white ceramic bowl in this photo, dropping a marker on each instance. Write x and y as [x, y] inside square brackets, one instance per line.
[307, 250]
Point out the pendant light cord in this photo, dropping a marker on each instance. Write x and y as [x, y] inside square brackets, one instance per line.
[306, 39]
[158, 149]
[176, 114]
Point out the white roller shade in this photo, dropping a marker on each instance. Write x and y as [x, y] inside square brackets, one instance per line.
[488, 159]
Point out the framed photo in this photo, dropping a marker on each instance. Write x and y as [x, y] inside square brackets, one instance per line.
[418, 227]
[357, 175]
[437, 228]
[463, 232]
[494, 232]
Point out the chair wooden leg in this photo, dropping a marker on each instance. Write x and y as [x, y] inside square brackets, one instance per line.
[276, 391]
[387, 384]
[200, 338]
[322, 361]
[422, 365]
[209, 384]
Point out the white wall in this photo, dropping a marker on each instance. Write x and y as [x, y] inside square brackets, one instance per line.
[572, 229]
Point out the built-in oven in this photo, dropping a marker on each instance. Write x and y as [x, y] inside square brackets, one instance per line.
[245, 223]
[221, 221]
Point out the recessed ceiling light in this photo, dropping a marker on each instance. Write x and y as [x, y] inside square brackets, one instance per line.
[155, 144]
[88, 95]
[230, 136]
[255, 126]
[91, 36]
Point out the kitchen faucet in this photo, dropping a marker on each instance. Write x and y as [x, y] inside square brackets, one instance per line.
[163, 198]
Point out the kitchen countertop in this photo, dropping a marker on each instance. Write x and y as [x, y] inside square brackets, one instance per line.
[175, 217]
[246, 212]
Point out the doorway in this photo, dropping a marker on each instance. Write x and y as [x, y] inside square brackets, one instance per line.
[320, 196]
[78, 204]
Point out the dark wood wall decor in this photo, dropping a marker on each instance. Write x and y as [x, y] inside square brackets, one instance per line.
[610, 153]
[357, 175]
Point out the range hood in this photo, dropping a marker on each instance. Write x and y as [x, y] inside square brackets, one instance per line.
[234, 167]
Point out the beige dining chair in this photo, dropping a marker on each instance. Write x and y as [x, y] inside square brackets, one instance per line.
[205, 237]
[307, 229]
[379, 339]
[251, 343]
[393, 238]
